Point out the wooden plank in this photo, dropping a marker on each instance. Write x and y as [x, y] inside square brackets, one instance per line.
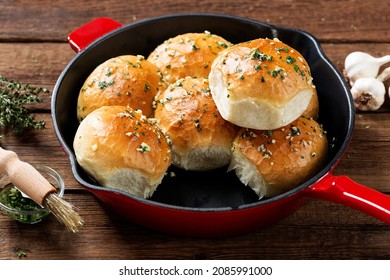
[38, 64]
[319, 230]
[337, 21]
[41, 64]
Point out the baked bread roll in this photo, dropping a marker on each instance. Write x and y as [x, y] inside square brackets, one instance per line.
[201, 138]
[189, 54]
[313, 109]
[274, 161]
[126, 80]
[122, 149]
[261, 84]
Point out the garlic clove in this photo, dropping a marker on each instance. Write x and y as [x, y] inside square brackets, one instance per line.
[388, 91]
[368, 94]
[363, 65]
[384, 75]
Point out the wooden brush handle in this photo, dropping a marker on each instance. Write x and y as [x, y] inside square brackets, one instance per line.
[25, 177]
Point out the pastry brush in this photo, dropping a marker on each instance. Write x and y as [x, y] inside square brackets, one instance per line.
[32, 183]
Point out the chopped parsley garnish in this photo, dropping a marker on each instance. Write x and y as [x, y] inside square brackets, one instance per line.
[108, 72]
[261, 56]
[13, 198]
[285, 49]
[290, 60]
[277, 72]
[298, 70]
[295, 131]
[144, 148]
[104, 84]
[222, 44]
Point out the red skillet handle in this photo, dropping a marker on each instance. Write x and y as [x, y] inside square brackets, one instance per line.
[89, 32]
[343, 190]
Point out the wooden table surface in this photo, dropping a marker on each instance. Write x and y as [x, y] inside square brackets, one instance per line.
[34, 50]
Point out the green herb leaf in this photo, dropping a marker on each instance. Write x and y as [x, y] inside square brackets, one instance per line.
[13, 98]
[290, 60]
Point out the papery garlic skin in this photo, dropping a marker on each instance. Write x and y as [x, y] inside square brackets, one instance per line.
[384, 75]
[368, 94]
[363, 65]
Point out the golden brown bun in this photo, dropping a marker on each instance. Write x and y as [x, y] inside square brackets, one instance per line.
[261, 84]
[201, 138]
[126, 80]
[274, 161]
[122, 149]
[313, 109]
[189, 54]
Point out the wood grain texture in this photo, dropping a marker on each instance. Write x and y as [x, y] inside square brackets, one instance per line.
[45, 61]
[307, 234]
[344, 20]
[33, 50]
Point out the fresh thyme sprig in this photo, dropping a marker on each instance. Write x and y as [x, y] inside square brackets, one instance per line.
[13, 98]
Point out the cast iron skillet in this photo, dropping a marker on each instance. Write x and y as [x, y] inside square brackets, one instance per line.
[211, 203]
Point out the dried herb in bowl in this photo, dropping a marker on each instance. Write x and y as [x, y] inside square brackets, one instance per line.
[13, 198]
[19, 207]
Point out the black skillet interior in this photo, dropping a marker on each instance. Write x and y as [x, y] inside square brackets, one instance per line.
[216, 188]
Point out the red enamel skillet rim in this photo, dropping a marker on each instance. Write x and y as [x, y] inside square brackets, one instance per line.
[324, 185]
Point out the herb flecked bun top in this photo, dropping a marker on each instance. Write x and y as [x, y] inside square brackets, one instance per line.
[274, 161]
[201, 138]
[122, 149]
[261, 84]
[126, 80]
[189, 54]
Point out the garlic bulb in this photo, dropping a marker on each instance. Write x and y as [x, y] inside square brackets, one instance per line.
[368, 94]
[363, 65]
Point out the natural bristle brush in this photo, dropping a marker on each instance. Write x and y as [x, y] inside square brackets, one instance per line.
[32, 183]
